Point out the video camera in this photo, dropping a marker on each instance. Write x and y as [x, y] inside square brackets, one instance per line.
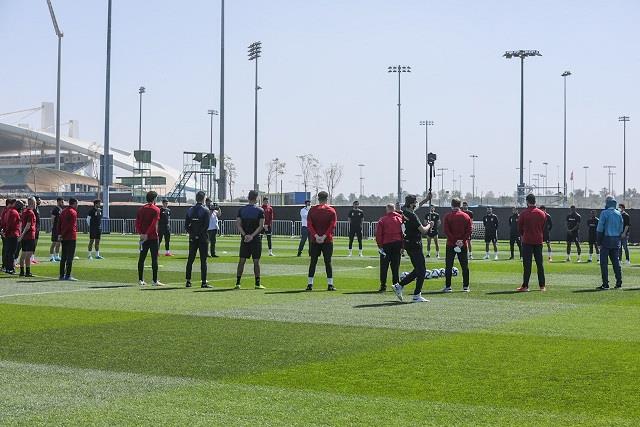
[431, 159]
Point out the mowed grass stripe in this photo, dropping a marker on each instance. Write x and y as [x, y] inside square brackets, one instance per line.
[53, 395]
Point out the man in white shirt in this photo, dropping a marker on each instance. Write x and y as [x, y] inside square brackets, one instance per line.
[214, 228]
[304, 233]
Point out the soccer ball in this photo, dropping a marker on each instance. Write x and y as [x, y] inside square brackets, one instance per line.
[442, 272]
[427, 275]
[454, 271]
[435, 273]
[403, 275]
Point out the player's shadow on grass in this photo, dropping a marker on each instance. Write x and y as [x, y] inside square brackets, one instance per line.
[586, 291]
[172, 288]
[294, 291]
[504, 293]
[110, 286]
[37, 281]
[631, 289]
[381, 304]
[214, 290]
[363, 293]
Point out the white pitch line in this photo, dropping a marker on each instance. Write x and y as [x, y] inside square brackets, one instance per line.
[56, 292]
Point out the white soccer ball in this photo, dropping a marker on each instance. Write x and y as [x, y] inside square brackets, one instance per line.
[454, 271]
[427, 275]
[435, 273]
[403, 275]
[442, 272]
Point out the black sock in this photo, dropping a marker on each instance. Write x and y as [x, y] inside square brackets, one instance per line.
[257, 281]
[238, 279]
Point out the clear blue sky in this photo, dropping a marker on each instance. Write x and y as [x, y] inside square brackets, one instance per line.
[326, 90]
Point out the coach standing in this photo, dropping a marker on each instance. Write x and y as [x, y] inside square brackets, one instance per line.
[490, 221]
[94, 218]
[356, 218]
[268, 222]
[514, 235]
[196, 223]
[531, 227]
[624, 238]
[147, 227]
[67, 235]
[457, 228]
[164, 227]
[413, 232]
[304, 231]
[389, 240]
[609, 231]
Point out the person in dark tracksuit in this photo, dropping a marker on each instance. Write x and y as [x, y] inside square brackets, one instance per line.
[196, 224]
[609, 230]
[413, 232]
[592, 225]
[514, 235]
[624, 238]
[164, 228]
[356, 217]
[573, 232]
[389, 241]
[546, 233]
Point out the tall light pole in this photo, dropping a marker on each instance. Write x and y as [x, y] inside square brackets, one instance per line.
[442, 171]
[59, 34]
[399, 69]
[211, 113]
[255, 51]
[141, 90]
[530, 161]
[624, 120]
[361, 165]
[106, 163]
[521, 54]
[586, 188]
[564, 196]
[473, 175]
[426, 124]
[546, 176]
[610, 175]
[222, 181]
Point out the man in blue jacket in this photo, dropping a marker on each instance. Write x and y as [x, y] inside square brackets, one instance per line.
[609, 231]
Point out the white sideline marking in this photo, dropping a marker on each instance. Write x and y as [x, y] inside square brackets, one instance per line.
[56, 292]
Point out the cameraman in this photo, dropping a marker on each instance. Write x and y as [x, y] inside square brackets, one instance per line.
[196, 224]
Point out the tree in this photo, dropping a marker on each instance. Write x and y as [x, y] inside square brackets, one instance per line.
[332, 177]
[316, 176]
[230, 170]
[275, 169]
[308, 164]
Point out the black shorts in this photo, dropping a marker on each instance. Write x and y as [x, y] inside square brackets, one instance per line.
[432, 234]
[253, 249]
[325, 249]
[573, 238]
[28, 245]
[95, 234]
[490, 236]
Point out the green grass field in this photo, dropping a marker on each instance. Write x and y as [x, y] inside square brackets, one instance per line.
[102, 351]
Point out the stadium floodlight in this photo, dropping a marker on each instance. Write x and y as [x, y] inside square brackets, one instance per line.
[211, 113]
[624, 120]
[255, 52]
[106, 163]
[610, 176]
[399, 69]
[564, 75]
[473, 175]
[522, 54]
[361, 165]
[59, 34]
[426, 124]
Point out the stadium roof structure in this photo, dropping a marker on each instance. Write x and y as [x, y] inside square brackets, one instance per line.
[17, 140]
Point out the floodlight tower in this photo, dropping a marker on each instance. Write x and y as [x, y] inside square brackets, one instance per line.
[473, 175]
[211, 114]
[610, 175]
[426, 124]
[255, 51]
[399, 69]
[522, 54]
[624, 120]
[59, 34]
[564, 76]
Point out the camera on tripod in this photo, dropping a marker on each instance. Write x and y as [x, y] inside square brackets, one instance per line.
[431, 159]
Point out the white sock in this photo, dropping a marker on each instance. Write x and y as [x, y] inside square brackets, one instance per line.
[330, 281]
[90, 253]
[51, 255]
[310, 281]
[97, 253]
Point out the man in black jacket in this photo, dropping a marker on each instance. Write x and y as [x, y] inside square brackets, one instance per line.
[548, 225]
[196, 224]
[514, 234]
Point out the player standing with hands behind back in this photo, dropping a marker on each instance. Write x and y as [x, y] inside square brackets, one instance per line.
[250, 222]
[321, 221]
[457, 228]
[147, 227]
[490, 221]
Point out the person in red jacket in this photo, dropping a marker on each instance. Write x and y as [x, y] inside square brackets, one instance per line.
[27, 237]
[11, 231]
[389, 240]
[321, 221]
[67, 234]
[147, 227]
[531, 225]
[268, 222]
[457, 228]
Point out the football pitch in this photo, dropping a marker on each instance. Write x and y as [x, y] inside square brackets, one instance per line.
[103, 351]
